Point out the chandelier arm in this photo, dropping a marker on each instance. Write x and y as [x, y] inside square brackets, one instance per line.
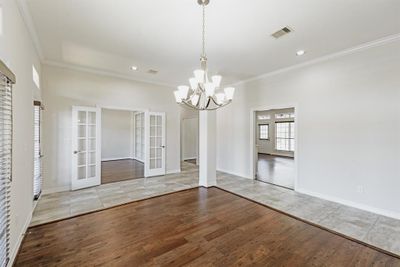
[208, 102]
[215, 102]
[188, 104]
[197, 108]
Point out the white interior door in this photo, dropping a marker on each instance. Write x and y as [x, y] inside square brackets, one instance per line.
[86, 147]
[155, 144]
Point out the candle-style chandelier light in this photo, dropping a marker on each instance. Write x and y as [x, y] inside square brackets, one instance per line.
[204, 92]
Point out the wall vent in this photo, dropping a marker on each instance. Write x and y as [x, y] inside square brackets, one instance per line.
[151, 71]
[281, 32]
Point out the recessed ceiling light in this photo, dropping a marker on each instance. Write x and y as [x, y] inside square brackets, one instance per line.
[300, 52]
[134, 68]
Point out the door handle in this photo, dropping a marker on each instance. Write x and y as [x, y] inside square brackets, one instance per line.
[162, 146]
[76, 151]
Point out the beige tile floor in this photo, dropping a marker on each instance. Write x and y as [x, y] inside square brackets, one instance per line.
[376, 230]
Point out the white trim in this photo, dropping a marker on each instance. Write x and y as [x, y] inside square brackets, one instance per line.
[117, 158]
[139, 110]
[173, 171]
[189, 158]
[96, 71]
[277, 154]
[137, 159]
[241, 175]
[27, 18]
[348, 51]
[356, 205]
[57, 189]
[14, 251]
[253, 123]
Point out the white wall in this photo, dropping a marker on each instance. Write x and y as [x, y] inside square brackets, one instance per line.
[17, 51]
[63, 88]
[116, 134]
[348, 115]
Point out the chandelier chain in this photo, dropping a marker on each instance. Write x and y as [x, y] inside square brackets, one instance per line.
[204, 31]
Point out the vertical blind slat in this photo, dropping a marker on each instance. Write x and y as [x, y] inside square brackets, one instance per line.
[5, 166]
[37, 172]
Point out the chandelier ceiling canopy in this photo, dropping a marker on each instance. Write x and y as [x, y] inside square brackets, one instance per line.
[204, 92]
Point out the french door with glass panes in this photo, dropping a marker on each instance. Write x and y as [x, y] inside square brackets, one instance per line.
[155, 144]
[86, 139]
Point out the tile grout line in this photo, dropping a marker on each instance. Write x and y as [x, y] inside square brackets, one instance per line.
[372, 226]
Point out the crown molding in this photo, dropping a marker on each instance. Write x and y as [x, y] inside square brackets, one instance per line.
[27, 18]
[349, 51]
[25, 13]
[92, 70]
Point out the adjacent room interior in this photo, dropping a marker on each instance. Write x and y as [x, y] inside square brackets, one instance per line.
[190, 140]
[199, 133]
[122, 145]
[275, 147]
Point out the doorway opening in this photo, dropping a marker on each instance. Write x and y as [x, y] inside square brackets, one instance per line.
[275, 143]
[122, 145]
[190, 140]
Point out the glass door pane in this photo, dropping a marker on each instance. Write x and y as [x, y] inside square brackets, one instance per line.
[155, 141]
[86, 166]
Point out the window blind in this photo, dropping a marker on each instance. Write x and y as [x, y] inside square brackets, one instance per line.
[6, 80]
[37, 165]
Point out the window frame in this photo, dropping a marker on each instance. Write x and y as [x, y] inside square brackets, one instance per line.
[259, 132]
[289, 134]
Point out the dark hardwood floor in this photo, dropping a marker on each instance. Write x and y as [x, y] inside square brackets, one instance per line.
[276, 170]
[197, 227]
[121, 170]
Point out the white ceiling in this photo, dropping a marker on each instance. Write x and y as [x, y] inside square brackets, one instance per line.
[112, 35]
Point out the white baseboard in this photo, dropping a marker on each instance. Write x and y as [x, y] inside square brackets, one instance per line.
[142, 161]
[110, 159]
[356, 205]
[277, 154]
[52, 190]
[242, 175]
[189, 158]
[173, 171]
[15, 249]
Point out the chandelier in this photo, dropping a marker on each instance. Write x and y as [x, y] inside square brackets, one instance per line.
[204, 92]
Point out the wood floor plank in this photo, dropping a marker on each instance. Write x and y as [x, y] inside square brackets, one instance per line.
[199, 227]
[121, 170]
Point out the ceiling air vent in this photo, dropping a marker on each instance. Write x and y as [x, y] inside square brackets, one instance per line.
[281, 32]
[151, 71]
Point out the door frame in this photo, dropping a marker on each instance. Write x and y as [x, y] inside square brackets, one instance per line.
[253, 139]
[130, 109]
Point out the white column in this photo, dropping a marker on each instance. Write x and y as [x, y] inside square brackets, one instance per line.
[207, 148]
